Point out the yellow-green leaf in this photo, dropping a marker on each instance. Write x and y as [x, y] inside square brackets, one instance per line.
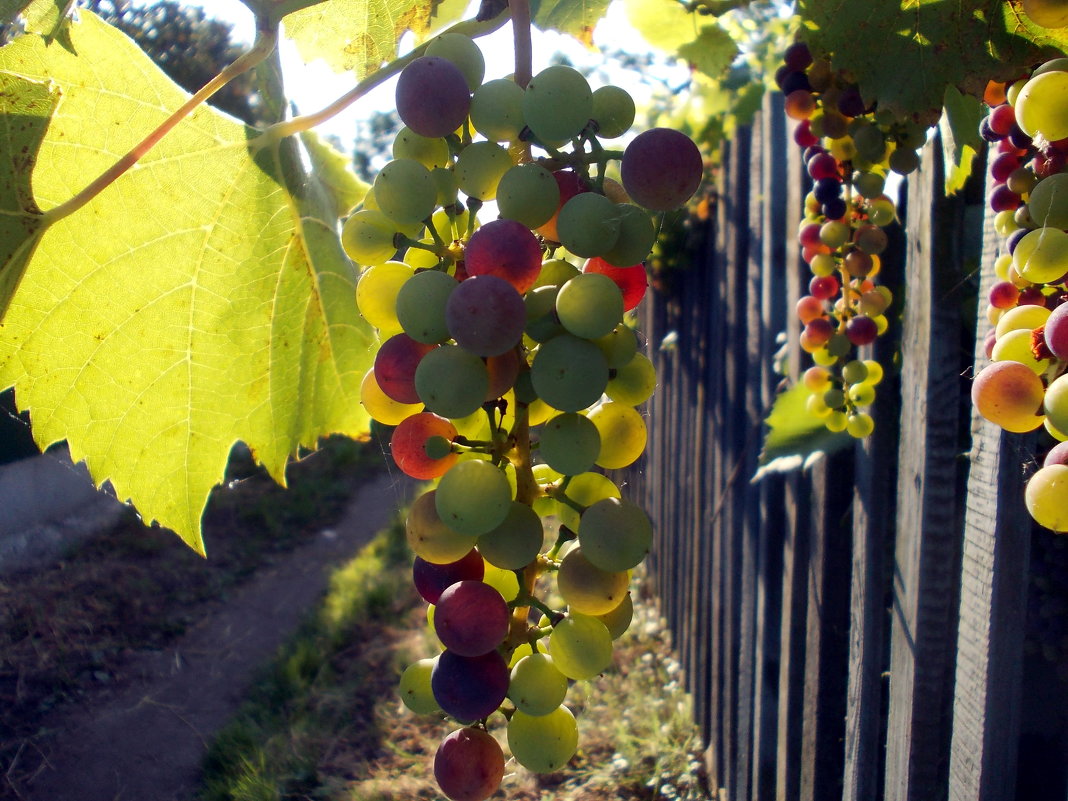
[357, 35]
[794, 435]
[46, 17]
[665, 24]
[959, 126]
[200, 300]
[577, 18]
[334, 170]
[711, 52]
[25, 110]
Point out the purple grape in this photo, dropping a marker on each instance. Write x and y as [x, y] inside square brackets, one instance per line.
[485, 315]
[797, 56]
[470, 687]
[432, 96]
[1058, 455]
[661, 169]
[469, 765]
[1056, 332]
[471, 618]
[395, 365]
[431, 580]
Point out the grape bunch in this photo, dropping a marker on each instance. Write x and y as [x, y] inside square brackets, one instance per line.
[1025, 386]
[849, 150]
[510, 376]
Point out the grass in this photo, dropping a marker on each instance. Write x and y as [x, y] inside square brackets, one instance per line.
[324, 721]
[66, 630]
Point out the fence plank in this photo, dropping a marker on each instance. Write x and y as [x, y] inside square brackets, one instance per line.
[993, 605]
[927, 553]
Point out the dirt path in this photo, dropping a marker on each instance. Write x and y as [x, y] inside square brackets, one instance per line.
[144, 741]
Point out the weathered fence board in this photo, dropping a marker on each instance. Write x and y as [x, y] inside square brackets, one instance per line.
[859, 629]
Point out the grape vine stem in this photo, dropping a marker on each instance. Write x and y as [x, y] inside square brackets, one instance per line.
[280, 130]
[524, 53]
[262, 47]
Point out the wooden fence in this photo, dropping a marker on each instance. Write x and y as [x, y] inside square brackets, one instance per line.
[886, 624]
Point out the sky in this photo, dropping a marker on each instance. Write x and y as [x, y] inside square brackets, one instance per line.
[313, 86]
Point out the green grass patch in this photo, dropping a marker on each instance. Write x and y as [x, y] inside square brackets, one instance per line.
[324, 721]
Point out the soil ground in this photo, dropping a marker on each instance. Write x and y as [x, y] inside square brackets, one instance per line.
[142, 737]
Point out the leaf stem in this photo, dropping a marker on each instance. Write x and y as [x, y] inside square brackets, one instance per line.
[520, 10]
[280, 130]
[266, 39]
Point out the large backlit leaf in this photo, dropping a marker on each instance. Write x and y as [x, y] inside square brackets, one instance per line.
[334, 170]
[665, 24]
[25, 110]
[795, 436]
[962, 44]
[357, 35]
[45, 17]
[961, 141]
[200, 300]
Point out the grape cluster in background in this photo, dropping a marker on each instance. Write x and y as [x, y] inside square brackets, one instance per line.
[511, 377]
[1025, 386]
[849, 150]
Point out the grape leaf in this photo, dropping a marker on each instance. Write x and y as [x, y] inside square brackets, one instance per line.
[665, 24]
[46, 17]
[334, 170]
[711, 52]
[794, 435]
[25, 110]
[201, 299]
[576, 18]
[960, 136]
[356, 35]
[945, 43]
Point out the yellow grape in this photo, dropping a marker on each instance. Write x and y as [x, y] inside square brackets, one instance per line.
[1046, 497]
[623, 434]
[376, 294]
[588, 589]
[1041, 255]
[1041, 106]
[380, 406]
[1015, 346]
[1027, 317]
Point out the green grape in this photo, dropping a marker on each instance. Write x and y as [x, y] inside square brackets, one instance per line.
[859, 425]
[580, 646]
[881, 211]
[1027, 317]
[584, 489]
[479, 169]
[1041, 255]
[376, 294]
[870, 142]
[380, 406]
[446, 187]
[569, 443]
[619, 346]
[613, 111]
[420, 306]
[618, 620]
[536, 686]
[432, 539]
[868, 184]
[543, 744]
[524, 650]
[463, 52]
[854, 372]
[557, 104]
[1048, 203]
[588, 589]
[588, 224]
[862, 394]
[540, 306]
[431, 152]
[516, 542]
[473, 497]
[556, 272]
[635, 239]
[1015, 346]
[875, 372]
[497, 110]
[623, 434]
[834, 398]
[634, 382]
[569, 373]
[1046, 497]
[1041, 108]
[529, 194]
[615, 534]
[1056, 403]
[405, 191]
[415, 689]
[451, 381]
[503, 581]
[590, 305]
[368, 237]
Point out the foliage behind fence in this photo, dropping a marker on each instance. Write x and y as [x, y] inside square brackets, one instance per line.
[885, 624]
